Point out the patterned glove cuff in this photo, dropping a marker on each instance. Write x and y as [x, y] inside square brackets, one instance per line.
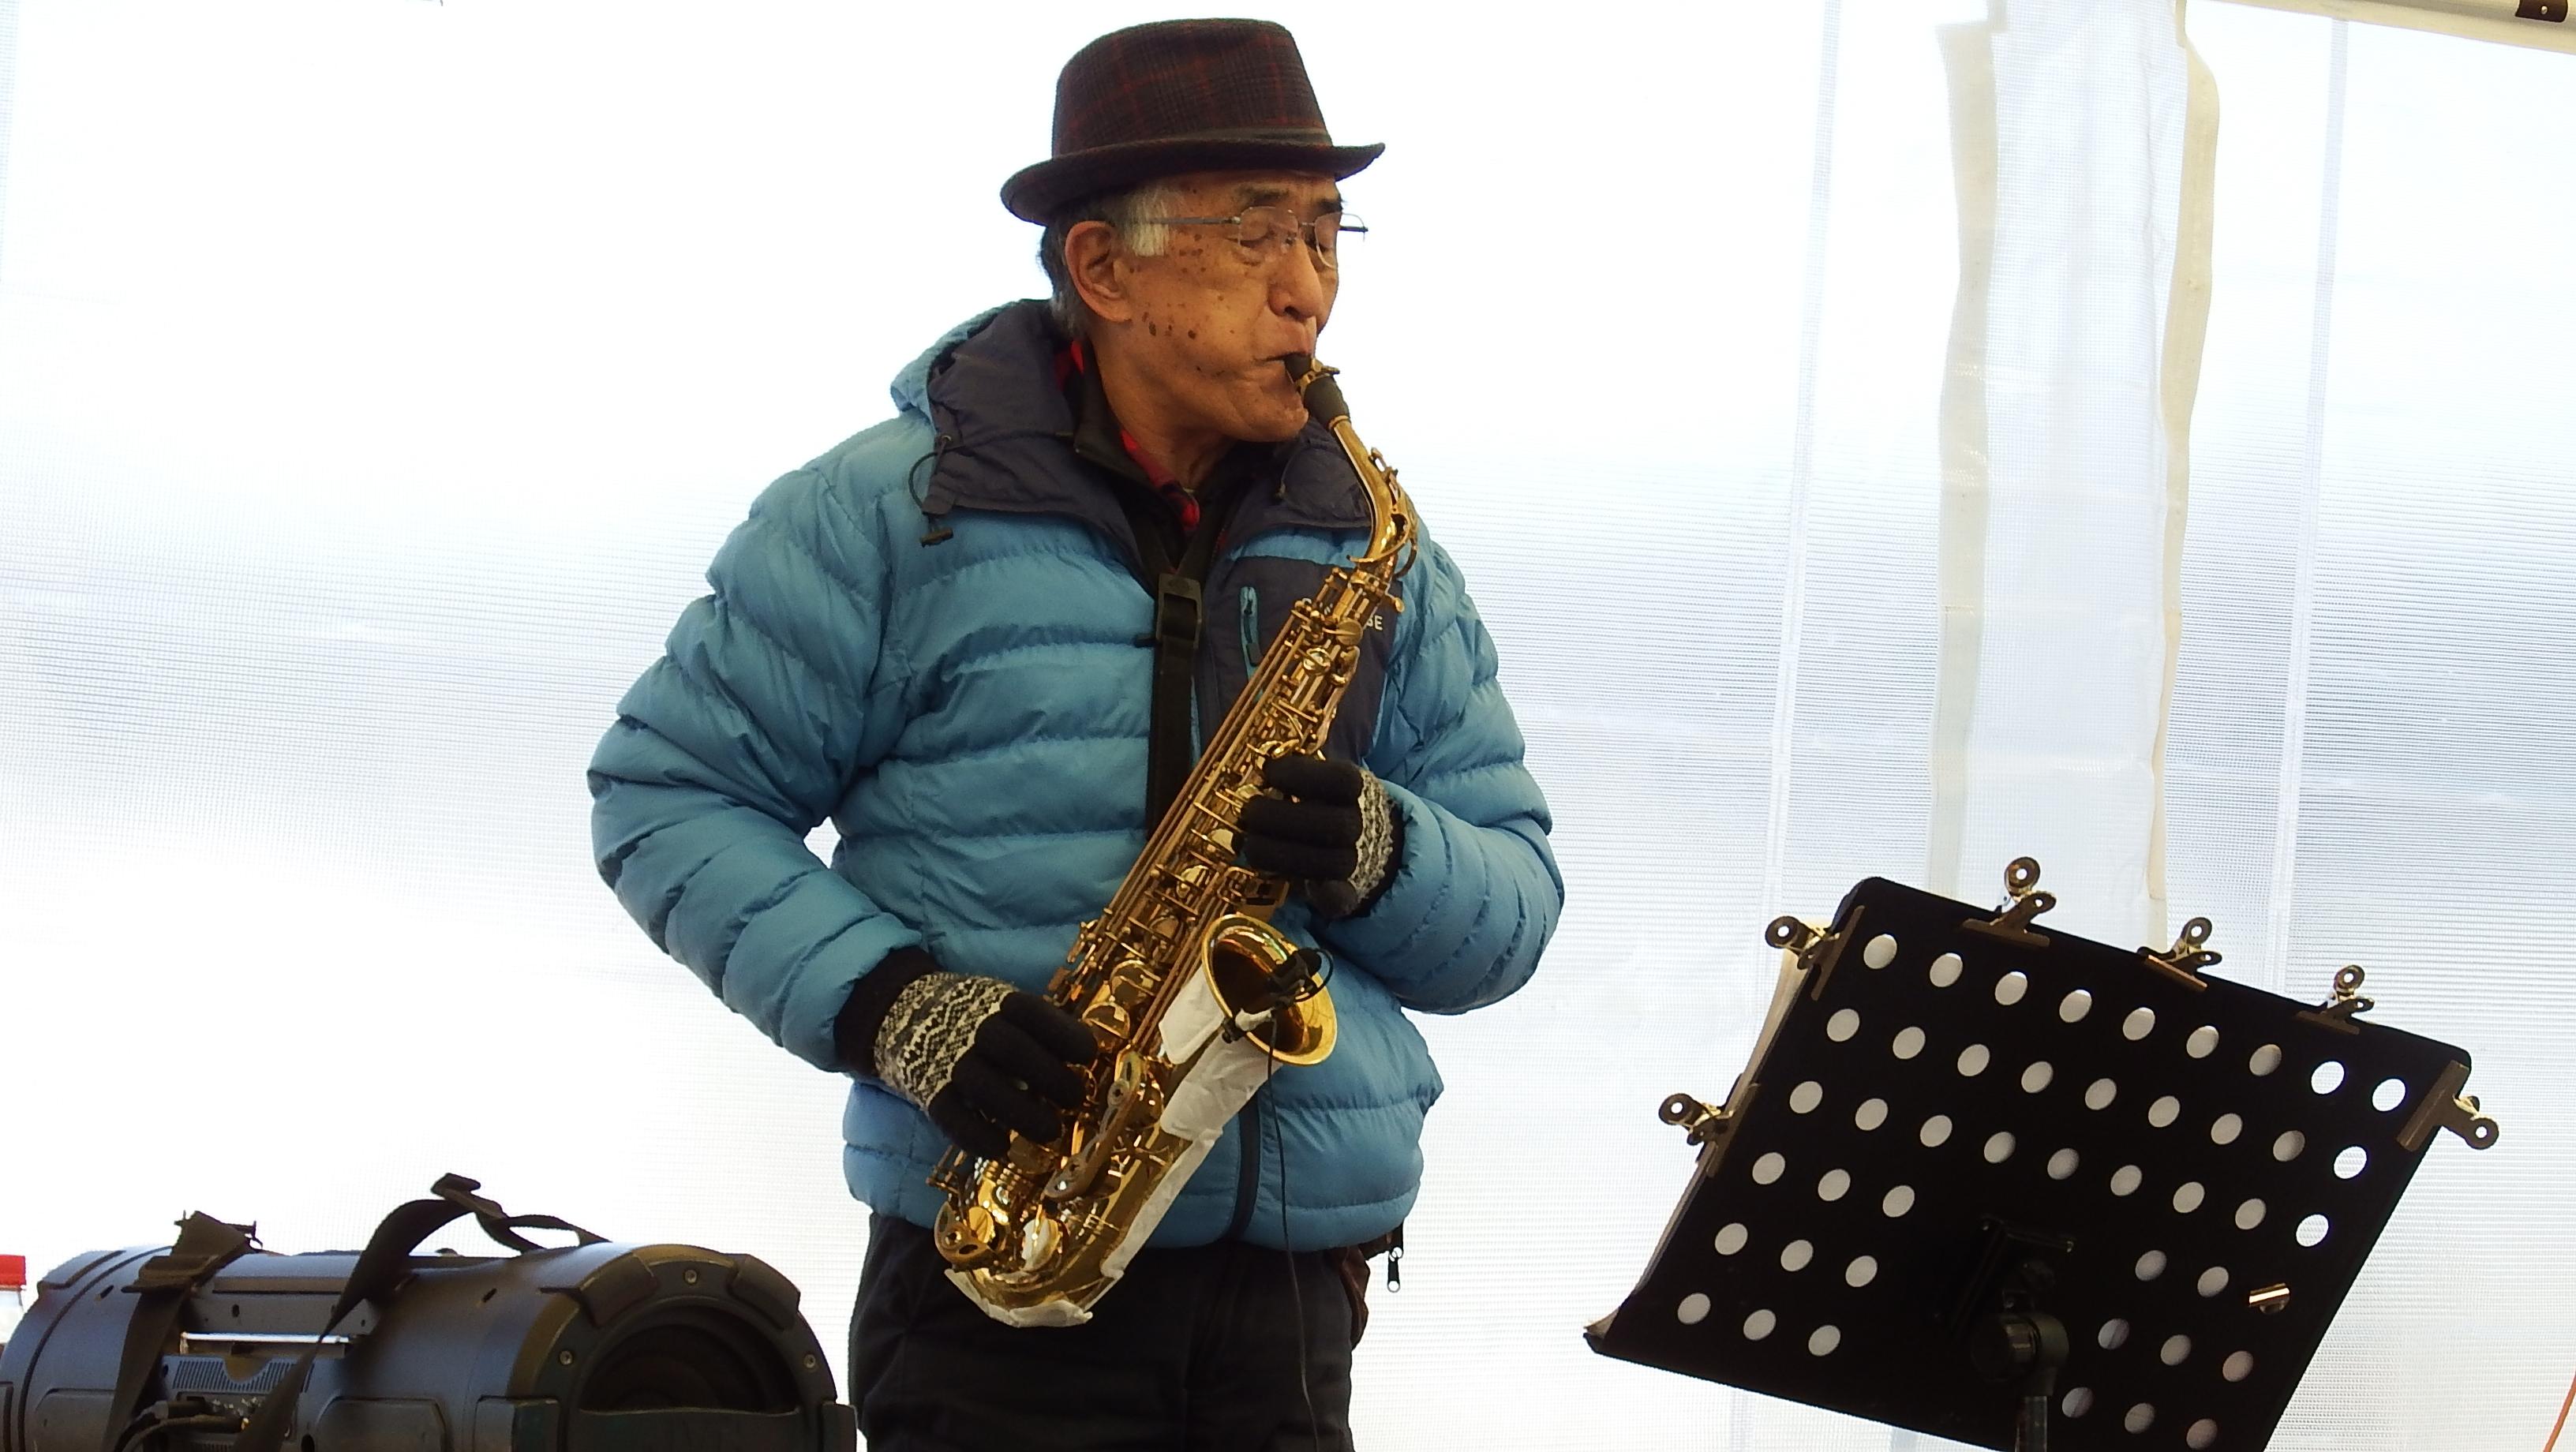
[1380, 830]
[931, 1026]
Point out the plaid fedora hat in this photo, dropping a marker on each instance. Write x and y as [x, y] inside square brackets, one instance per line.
[1180, 96]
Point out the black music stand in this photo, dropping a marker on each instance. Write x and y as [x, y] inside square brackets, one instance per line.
[2001, 1184]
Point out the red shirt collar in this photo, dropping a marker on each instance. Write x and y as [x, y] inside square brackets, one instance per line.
[1075, 358]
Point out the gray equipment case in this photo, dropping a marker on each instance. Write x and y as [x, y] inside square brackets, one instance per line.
[594, 1347]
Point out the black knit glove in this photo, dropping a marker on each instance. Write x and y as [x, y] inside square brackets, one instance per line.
[981, 1058]
[1330, 828]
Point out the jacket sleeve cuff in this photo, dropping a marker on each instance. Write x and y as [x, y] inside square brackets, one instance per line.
[1378, 801]
[1413, 889]
[855, 1028]
[1462, 918]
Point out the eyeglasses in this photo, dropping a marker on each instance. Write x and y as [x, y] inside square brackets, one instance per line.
[1260, 230]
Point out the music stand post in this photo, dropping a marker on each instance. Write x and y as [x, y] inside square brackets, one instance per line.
[2005, 1185]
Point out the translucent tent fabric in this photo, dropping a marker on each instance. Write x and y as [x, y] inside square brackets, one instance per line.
[375, 381]
[2364, 763]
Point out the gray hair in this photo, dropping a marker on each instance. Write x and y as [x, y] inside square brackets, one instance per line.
[1122, 211]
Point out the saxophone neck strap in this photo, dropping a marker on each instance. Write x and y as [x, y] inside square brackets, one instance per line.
[1179, 614]
[1180, 618]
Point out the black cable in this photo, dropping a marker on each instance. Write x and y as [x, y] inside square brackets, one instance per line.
[155, 1421]
[1296, 1292]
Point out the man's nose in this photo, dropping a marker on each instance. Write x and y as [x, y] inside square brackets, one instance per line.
[1299, 288]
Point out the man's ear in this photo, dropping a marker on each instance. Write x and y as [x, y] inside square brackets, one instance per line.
[1096, 263]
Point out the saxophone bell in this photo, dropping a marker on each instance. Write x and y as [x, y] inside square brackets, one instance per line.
[1266, 986]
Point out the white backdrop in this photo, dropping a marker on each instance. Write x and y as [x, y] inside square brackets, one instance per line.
[376, 377]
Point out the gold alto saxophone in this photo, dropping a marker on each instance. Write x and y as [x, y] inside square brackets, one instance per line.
[1195, 997]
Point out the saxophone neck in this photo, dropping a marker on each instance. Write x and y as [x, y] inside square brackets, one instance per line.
[1315, 383]
[1391, 530]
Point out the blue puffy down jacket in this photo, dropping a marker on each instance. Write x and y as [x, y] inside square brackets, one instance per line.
[929, 635]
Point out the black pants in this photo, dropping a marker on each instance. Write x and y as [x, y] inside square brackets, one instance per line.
[1195, 1350]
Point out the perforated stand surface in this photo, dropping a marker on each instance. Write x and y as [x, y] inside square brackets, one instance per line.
[2192, 1146]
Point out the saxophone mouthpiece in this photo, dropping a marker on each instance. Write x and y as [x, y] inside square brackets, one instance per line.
[1323, 396]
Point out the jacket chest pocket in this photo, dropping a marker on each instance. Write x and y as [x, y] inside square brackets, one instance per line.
[1247, 611]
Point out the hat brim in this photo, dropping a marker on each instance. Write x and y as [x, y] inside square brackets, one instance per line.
[1037, 192]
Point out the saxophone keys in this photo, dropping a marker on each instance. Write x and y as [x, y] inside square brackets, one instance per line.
[1038, 1240]
[967, 1238]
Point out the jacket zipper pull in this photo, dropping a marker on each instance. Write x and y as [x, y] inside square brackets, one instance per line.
[1251, 632]
[1395, 1263]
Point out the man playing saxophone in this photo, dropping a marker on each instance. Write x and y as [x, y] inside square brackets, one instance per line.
[984, 639]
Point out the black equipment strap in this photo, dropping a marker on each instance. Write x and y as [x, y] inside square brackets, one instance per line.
[382, 1268]
[205, 1246]
[1179, 613]
[1180, 618]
